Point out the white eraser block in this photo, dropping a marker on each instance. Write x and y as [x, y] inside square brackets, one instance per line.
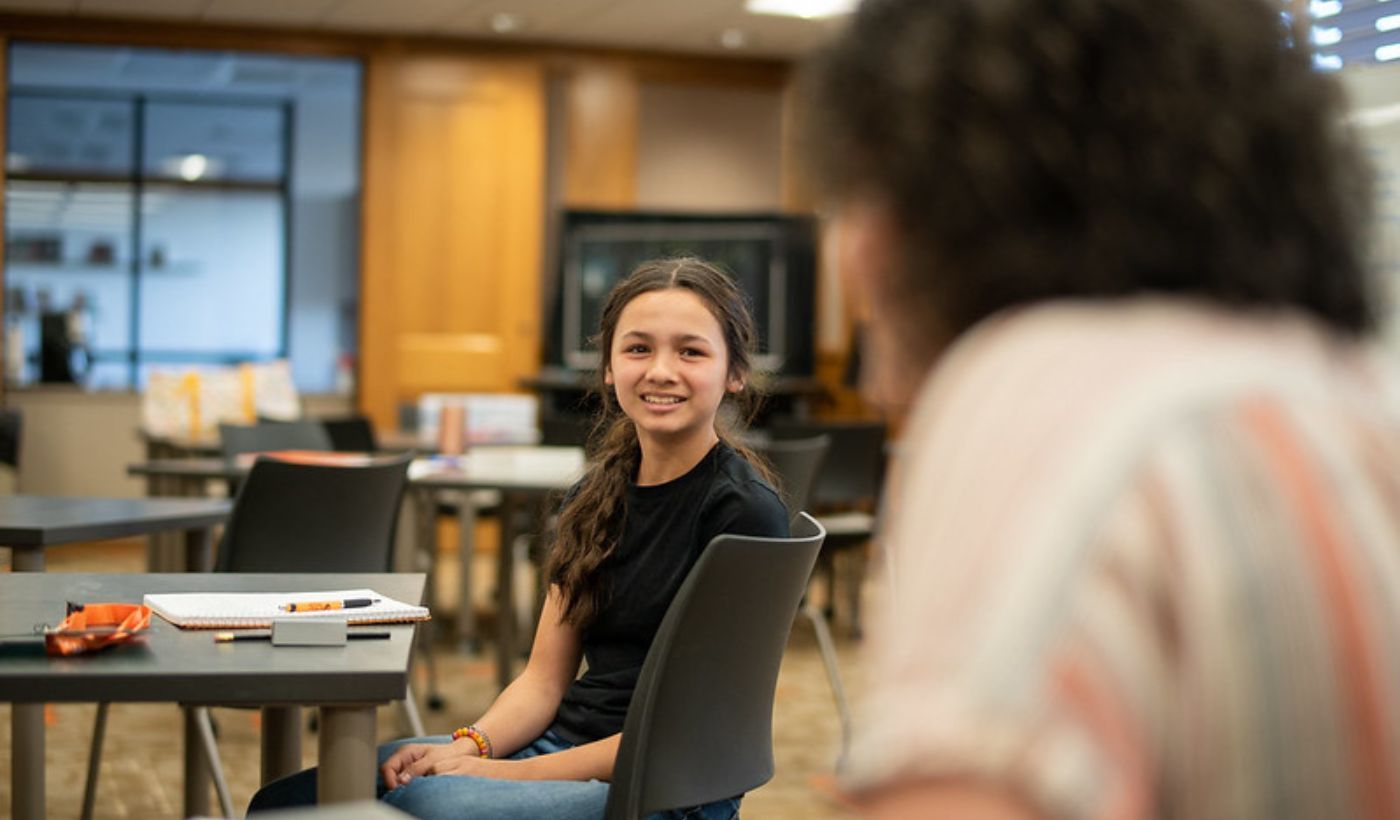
[309, 632]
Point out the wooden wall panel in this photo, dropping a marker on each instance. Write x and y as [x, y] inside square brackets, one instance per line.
[454, 188]
[600, 155]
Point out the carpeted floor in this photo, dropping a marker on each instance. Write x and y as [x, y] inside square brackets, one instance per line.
[141, 768]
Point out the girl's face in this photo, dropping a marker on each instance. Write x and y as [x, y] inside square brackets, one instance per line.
[669, 366]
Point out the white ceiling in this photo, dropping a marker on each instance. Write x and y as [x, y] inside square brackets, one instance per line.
[688, 26]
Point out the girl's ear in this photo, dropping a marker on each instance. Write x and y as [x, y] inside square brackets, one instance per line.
[736, 384]
[607, 375]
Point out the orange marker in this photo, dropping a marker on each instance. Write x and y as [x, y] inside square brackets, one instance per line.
[321, 606]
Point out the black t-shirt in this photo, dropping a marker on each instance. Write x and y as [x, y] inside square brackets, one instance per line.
[667, 526]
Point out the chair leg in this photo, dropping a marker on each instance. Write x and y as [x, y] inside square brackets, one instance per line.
[829, 603]
[216, 766]
[859, 560]
[833, 677]
[99, 731]
[410, 711]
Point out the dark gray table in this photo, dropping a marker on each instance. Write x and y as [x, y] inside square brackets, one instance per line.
[187, 667]
[30, 523]
[522, 474]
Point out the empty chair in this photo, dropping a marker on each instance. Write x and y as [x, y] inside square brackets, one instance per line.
[9, 450]
[797, 463]
[350, 434]
[295, 517]
[700, 724]
[303, 434]
[846, 493]
[844, 497]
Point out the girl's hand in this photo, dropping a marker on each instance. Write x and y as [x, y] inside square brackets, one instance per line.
[465, 765]
[414, 759]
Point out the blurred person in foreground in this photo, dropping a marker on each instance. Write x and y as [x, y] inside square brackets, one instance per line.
[1145, 526]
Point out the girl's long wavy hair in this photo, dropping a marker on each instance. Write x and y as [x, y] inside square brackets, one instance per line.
[591, 522]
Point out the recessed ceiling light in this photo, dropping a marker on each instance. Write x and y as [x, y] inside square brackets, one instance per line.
[503, 22]
[733, 38]
[806, 9]
[193, 166]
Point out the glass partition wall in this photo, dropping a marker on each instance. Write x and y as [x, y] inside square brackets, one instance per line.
[152, 225]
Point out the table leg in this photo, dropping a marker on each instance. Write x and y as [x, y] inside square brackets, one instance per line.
[466, 547]
[281, 742]
[199, 550]
[27, 759]
[425, 552]
[196, 767]
[505, 592]
[27, 726]
[347, 754]
[409, 534]
[163, 552]
[27, 559]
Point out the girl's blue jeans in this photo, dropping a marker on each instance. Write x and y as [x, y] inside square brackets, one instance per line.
[469, 798]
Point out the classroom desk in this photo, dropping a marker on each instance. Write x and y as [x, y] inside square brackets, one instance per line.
[31, 523]
[187, 667]
[523, 474]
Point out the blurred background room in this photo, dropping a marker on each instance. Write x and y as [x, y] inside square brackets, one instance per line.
[404, 216]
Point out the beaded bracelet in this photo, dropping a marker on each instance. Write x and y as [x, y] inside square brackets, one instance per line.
[483, 743]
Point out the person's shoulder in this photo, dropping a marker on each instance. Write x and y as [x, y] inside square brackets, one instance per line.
[1041, 367]
[733, 471]
[740, 499]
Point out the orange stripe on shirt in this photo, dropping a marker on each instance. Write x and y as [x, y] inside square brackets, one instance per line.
[1087, 692]
[1364, 702]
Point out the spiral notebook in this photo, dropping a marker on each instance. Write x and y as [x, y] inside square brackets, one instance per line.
[235, 610]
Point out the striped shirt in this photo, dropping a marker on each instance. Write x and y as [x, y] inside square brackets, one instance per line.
[1145, 562]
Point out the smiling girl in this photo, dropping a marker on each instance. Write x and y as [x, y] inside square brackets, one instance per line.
[665, 478]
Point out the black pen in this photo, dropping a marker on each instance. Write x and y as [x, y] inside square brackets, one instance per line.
[226, 637]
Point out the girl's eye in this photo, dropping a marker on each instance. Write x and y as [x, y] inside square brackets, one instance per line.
[635, 348]
[692, 353]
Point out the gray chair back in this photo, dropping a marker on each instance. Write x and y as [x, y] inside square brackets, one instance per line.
[798, 463]
[700, 725]
[303, 434]
[855, 459]
[292, 517]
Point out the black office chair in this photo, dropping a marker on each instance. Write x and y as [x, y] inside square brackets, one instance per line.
[296, 517]
[351, 434]
[700, 726]
[302, 434]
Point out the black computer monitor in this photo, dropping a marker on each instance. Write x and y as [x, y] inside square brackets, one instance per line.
[772, 257]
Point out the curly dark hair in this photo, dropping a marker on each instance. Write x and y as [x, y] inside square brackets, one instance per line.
[1031, 149]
